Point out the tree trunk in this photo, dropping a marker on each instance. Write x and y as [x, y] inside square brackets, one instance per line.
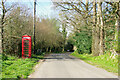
[93, 28]
[95, 31]
[97, 35]
[47, 49]
[63, 49]
[119, 37]
[1, 40]
[64, 35]
[1, 28]
[116, 34]
[101, 29]
[50, 50]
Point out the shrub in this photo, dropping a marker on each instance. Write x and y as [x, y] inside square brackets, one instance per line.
[83, 42]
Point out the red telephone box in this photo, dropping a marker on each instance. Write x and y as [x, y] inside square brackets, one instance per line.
[26, 46]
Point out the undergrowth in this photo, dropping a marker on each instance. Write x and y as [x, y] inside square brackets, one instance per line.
[14, 67]
[103, 61]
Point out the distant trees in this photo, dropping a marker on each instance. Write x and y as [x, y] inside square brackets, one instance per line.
[49, 38]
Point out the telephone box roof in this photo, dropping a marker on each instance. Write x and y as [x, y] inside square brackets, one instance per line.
[26, 36]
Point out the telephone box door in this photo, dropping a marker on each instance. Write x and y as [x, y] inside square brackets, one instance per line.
[26, 46]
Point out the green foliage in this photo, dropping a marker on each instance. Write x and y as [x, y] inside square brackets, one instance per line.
[4, 57]
[83, 42]
[15, 67]
[109, 41]
[110, 32]
[103, 61]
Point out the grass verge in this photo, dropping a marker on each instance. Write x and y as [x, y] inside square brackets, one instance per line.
[14, 67]
[103, 61]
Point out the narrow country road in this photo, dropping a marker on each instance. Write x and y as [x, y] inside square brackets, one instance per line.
[66, 66]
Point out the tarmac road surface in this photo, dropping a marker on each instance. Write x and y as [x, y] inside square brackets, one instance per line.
[65, 66]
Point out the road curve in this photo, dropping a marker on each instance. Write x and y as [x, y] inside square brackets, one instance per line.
[66, 66]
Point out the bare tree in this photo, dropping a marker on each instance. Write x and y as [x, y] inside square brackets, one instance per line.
[3, 21]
